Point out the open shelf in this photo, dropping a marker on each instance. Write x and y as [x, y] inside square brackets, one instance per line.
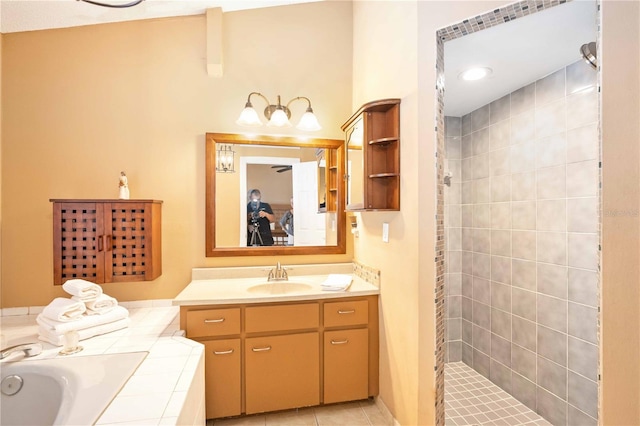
[374, 182]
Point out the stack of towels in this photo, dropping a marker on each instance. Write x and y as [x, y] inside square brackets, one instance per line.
[89, 311]
[337, 282]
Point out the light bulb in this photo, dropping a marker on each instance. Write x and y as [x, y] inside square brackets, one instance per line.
[249, 117]
[279, 119]
[309, 122]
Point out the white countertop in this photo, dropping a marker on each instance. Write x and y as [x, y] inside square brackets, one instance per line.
[219, 286]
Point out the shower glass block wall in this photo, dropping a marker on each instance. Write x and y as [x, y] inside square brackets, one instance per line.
[521, 231]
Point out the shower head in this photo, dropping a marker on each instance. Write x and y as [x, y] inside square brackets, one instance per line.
[588, 52]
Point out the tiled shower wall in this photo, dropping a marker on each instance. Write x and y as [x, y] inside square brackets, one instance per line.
[521, 222]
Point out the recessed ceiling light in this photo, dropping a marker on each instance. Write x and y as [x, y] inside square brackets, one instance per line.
[473, 74]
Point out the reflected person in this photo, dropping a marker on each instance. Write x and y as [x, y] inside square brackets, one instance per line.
[259, 219]
[286, 222]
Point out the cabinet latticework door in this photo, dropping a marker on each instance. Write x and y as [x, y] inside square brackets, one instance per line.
[77, 242]
[128, 227]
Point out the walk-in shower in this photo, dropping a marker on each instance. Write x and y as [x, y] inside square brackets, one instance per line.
[520, 154]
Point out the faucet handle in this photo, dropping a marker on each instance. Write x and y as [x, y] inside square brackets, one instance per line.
[29, 350]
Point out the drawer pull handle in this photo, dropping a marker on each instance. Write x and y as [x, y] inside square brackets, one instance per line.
[350, 311]
[266, 348]
[207, 321]
[230, 351]
[339, 342]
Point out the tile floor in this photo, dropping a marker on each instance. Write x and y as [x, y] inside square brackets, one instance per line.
[358, 413]
[471, 399]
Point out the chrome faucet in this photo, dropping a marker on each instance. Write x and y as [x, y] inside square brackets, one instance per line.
[29, 350]
[278, 274]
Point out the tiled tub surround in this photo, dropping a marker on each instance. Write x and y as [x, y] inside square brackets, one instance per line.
[168, 386]
[522, 238]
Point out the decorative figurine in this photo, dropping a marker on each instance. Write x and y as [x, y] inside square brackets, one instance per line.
[124, 187]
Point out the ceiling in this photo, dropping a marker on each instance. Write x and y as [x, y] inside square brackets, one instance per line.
[30, 15]
[519, 52]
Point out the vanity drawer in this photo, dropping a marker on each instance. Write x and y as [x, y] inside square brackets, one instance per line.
[282, 318]
[343, 313]
[213, 322]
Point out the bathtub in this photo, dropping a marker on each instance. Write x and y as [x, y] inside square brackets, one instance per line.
[63, 391]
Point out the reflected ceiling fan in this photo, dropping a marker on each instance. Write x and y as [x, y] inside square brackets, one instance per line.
[282, 168]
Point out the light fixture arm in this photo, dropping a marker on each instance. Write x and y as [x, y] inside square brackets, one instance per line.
[309, 109]
[249, 105]
[115, 6]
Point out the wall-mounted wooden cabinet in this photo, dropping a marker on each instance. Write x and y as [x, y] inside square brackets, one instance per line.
[106, 241]
[276, 356]
[373, 156]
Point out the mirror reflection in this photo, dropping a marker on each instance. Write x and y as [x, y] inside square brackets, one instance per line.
[355, 161]
[250, 211]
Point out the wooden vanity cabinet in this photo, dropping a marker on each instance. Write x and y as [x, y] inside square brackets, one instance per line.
[275, 356]
[223, 357]
[223, 377]
[346, 350]
[106, 241]
[346, 365]
[282, 372]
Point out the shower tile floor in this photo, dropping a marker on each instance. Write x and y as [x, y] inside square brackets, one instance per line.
[471, 399]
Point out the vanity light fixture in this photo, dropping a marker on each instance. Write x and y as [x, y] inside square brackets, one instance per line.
[476, 73]
[225, 159]
[114, 5]
[278, 115]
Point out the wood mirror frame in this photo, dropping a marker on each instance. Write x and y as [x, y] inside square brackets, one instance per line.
[285, 141]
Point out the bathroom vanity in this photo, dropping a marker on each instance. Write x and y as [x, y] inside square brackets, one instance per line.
[283, 344]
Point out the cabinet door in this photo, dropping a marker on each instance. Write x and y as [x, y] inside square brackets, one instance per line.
[282, 372]
[222, 377]
[346, 365]
[128, 230]
[78, 242]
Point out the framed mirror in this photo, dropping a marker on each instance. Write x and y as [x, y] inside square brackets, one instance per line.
[291, 175]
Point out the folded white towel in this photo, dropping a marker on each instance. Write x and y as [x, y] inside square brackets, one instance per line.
[86, 291]
[57, 339]
[86, 321]
[103, 304]
[337, 282]
[64, 310]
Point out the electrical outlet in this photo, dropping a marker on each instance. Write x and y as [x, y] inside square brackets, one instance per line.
[385, 232]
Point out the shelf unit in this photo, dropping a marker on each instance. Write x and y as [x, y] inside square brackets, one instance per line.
[331, 171]
[380, 151]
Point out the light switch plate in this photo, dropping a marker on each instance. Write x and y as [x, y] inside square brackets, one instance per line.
[385, 232]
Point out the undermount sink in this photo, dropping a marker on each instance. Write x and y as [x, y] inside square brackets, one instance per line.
[279, 287]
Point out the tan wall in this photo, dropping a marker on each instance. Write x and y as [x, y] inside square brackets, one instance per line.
[620, 292]
[1, 38]
[81, 104]
[399, 61]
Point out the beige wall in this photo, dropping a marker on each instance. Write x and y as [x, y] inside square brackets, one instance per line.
[81, 104]
[620, 291]
[1, 38]
[394, 56]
